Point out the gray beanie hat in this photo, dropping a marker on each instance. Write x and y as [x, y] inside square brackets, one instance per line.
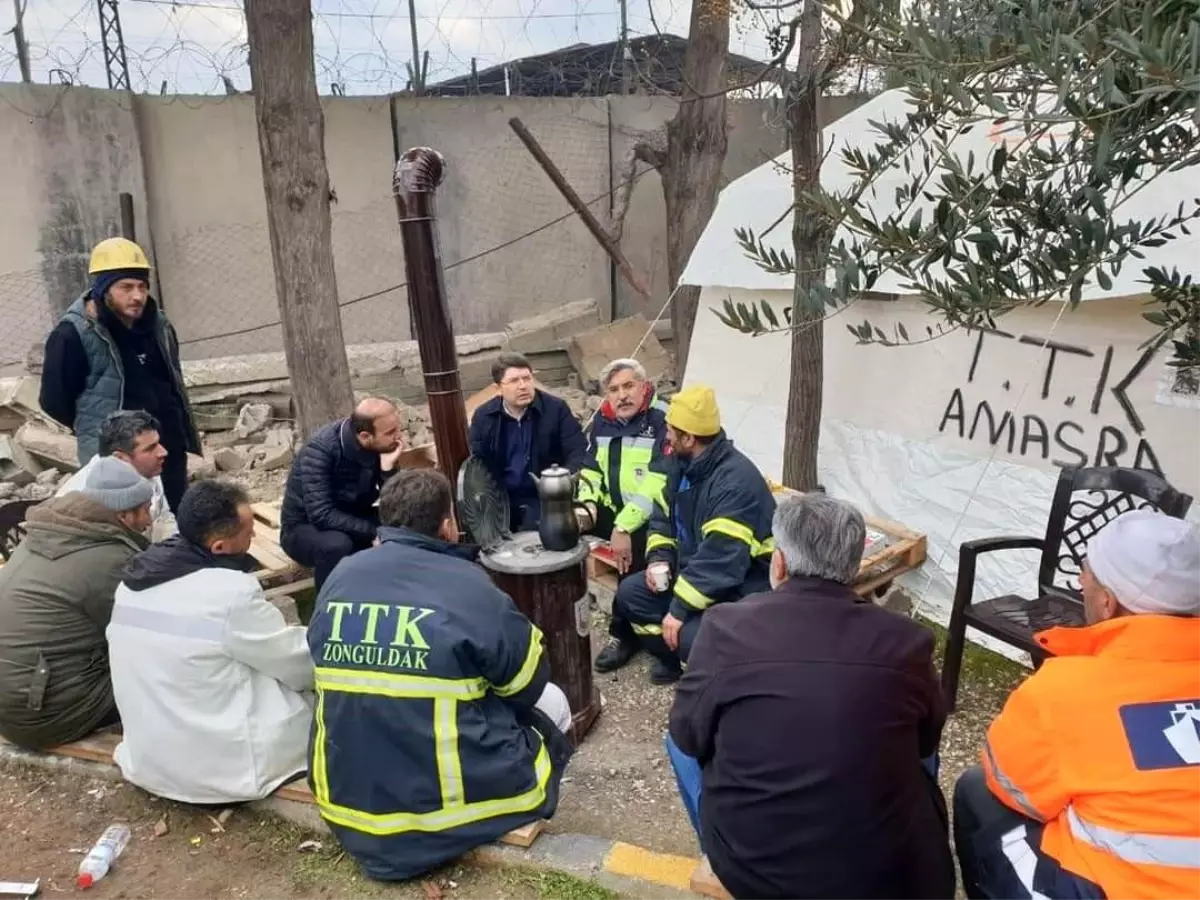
[116, 485]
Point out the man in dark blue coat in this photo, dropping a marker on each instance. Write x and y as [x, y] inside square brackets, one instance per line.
[329, 502]
[437, 729]
[520, 433]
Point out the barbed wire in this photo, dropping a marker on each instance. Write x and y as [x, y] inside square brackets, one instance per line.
[360, 46]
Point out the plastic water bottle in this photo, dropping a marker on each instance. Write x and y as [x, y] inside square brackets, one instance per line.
[102, 855]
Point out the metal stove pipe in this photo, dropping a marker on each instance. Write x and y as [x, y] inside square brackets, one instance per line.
[418, 173]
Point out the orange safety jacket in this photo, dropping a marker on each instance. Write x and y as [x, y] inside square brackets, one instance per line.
[1102, 744]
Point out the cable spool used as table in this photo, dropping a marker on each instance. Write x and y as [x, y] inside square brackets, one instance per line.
[549, 586]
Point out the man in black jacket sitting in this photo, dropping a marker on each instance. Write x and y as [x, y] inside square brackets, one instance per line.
[804, 733]
[522, 432]
[329, 504]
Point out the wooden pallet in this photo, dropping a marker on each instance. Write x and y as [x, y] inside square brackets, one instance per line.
[278, 569]
[601, 568]
[903, 551]
[100, 746]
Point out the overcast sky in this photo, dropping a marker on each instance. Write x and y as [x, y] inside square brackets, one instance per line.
[361, 44]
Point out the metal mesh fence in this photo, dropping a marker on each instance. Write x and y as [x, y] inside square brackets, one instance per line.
[25, 318]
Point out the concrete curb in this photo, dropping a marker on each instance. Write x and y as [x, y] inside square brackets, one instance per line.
[628, 869]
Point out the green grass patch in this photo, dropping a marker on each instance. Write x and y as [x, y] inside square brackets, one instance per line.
[980, 666]
[556, 885]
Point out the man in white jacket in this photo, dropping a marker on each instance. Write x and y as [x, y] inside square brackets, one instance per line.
[212, 685]
[131, 435]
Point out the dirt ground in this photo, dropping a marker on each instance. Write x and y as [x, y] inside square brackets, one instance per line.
[50, 819]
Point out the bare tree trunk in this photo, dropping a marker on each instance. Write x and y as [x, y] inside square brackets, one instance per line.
[697, 138]
[810, 240]
[291, 141]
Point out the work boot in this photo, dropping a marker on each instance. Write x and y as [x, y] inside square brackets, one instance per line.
[618, 652]
[665, 671]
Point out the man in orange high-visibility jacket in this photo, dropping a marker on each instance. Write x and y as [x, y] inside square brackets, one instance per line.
[1090, 785]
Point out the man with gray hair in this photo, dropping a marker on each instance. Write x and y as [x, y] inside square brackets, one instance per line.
[624, 474]
[132, 436]
[801, 729]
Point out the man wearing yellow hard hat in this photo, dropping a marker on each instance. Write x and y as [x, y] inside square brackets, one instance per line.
[114, 349]
[709, 539]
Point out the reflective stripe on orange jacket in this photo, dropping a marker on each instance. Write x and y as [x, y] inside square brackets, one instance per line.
[1103, 745]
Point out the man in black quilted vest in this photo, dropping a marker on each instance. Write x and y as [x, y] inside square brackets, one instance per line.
[329, 505]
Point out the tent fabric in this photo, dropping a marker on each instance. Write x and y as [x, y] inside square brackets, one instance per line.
[762, 196]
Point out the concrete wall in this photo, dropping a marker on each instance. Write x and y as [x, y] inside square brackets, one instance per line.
[67, 156]
[209, 221]
[511, 245]
[495, 192]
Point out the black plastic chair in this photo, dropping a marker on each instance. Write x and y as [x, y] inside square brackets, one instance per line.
[12, 524]
[1085, 500]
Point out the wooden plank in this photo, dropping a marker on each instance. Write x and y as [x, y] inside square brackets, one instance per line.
[269, 556]
[97, 747]
[705, 882]
[523, 836]
[297, 791]
[267, 512]
[287, 590]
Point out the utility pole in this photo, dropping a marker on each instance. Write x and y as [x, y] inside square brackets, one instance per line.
[624, 48]
[418, 74]
[291, 143]
[116, 66]
[18, 33]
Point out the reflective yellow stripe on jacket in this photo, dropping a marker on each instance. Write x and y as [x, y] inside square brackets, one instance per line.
[636, 490]
[686, 591]
[446, 694]
[739, 532]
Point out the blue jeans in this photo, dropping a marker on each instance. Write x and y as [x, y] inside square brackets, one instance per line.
[690, 779]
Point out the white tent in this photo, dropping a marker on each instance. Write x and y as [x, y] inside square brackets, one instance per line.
[958, 437]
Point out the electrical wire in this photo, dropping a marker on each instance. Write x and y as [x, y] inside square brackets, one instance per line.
[461, 262]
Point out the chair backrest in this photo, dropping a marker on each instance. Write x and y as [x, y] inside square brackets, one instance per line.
[1084, 502]
[12, 520]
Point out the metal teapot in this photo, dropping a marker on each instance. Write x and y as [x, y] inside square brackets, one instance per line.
[557, 526]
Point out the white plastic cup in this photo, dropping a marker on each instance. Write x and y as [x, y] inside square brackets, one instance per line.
[660, 576]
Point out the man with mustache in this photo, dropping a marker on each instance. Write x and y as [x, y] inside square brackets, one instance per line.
[114, 349]
[624, 475]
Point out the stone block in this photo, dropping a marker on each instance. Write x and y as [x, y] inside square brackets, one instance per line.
[16, 465]
[553, 330]
[253, 418]
[229, 459]
[200, 467]
[55, 448]
[210, 417]
[272, 456]
[19, 401]
[592, 350]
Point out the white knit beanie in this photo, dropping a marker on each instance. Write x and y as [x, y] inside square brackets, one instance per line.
[1150, 562]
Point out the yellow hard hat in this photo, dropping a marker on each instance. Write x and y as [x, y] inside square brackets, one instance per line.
[694, 410]
[117, 253]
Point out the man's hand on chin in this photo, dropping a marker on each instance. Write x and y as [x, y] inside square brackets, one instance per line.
[389, 461]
